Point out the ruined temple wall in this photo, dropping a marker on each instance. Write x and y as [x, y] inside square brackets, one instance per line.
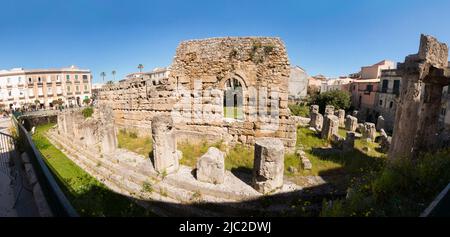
[194, 91]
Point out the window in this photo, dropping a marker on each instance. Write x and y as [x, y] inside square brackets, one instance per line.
[68, 88]
[85, 77]
[397, 87]
[30, 80]
[49, 90]
[8, 80]
[384, 86]
[369, 88]
[58, 78]
[233, 99]
[68, 77]
[20, 80]
[39, 80]
[9, 93]
[391, 104]
[381, 102]
[77, 88]
[76, 77]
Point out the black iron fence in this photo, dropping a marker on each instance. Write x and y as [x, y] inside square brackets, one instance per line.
[57, 201]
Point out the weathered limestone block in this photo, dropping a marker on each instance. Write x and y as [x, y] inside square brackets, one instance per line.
[349, 143]
[416, 123]
[330, 126]
[380, 123]
[107, 128]
[301, 121]
[165, 157]
[314, 109]
[369, 131]
[211, 167]
[341, 115]
[268, 165]
[351, 123]
[329, 110]
[384, 140]
[316, 121]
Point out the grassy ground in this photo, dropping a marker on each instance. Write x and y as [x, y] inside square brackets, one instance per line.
[299, 110]
[130, 141]
[240, 157]
[88, 196]
[233, 112]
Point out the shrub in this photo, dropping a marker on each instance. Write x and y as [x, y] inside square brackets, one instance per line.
[87, 112]
[403, 188]
[336, 98]
[299, 110]
[147, 187]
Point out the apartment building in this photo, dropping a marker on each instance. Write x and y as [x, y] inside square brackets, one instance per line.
[21, 88]
[365, 87]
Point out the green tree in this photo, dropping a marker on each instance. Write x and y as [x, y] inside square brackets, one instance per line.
[103, 75]
[114, 74]
[140, 67]
[338, 99]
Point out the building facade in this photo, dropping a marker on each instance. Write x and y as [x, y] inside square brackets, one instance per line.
[387, 97]
[333, 84]
[20, 88]
[364, 89]
[298, 83]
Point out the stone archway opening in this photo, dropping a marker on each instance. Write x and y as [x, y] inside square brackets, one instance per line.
[233, 99]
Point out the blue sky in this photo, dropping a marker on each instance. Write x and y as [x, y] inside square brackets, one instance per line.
[328, 37]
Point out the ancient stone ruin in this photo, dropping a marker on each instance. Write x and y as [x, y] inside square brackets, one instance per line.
[423, 77]
[351, 123]
[329, 110]
[330, 127]
[316, 121]
[97, 131]
[341, 116]
[207, 76]
[268, 165]
[349, 142]
[211, 166]
[165, 154]
[369, 131]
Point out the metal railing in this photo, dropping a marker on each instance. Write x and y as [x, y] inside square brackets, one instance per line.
[440, 207]
[57, 201]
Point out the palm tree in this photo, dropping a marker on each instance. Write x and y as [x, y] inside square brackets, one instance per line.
[103, 75]
[114, 74]
[140, 67]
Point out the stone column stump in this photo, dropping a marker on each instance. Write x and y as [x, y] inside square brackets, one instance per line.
[165, 155]
[351, 123]
[211, 167]
[268, 166]
[330, 127]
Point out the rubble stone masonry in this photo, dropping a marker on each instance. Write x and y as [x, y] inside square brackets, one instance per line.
[202, 74]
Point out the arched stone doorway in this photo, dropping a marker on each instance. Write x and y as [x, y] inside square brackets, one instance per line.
[233, 101]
